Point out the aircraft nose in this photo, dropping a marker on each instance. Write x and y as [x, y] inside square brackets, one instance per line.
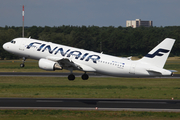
[5, 46]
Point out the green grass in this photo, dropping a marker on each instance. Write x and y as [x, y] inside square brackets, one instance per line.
[110, 87]
[173, 63]
[85, 115]
[60, 87]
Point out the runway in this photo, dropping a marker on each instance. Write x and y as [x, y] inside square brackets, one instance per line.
[91, 104]
[85, 104]
[63, 74]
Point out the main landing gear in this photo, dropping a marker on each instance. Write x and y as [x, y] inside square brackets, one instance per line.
[22, 64]
[85, 76]
[72, 76]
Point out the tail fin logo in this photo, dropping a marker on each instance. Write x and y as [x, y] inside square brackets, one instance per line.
[157, 53]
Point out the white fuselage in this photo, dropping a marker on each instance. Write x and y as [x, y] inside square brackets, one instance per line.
[99, 63]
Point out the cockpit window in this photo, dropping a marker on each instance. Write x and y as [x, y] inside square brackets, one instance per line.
[13, 41]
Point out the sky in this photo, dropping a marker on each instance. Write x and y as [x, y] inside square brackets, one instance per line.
[89, 12]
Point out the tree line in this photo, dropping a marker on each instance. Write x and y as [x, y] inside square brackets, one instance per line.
[118, 41]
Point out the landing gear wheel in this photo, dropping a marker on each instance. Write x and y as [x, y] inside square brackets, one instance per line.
[22, 65]
[84, 76]
[71, 77]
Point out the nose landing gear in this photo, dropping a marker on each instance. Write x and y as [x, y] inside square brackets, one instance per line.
[22, 64]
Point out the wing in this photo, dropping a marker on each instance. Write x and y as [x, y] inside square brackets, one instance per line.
[67, 63]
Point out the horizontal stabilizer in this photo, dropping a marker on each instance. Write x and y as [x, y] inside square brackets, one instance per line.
[154, 71]
[173, 71]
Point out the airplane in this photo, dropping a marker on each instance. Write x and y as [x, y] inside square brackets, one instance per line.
[53, 56]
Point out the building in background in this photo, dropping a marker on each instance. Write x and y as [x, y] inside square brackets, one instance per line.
[138, 22]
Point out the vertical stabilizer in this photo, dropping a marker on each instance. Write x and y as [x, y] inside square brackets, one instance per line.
[160, 53]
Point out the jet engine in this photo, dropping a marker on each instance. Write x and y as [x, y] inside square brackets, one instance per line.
[49, 65]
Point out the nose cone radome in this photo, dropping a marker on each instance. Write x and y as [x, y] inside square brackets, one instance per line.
[5, 46]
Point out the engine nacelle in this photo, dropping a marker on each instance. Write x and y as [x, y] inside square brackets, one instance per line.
[49, 65]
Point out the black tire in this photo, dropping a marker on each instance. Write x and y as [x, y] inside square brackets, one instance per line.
[85, 77]
[71, 77]
[22, 65]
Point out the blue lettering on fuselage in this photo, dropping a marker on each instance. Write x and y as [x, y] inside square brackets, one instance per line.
[49, 48]
[55, 50]
[92, 58]
[39, 49]
[84, 56]
[75, 53]
[62, 51]
[32, 44]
